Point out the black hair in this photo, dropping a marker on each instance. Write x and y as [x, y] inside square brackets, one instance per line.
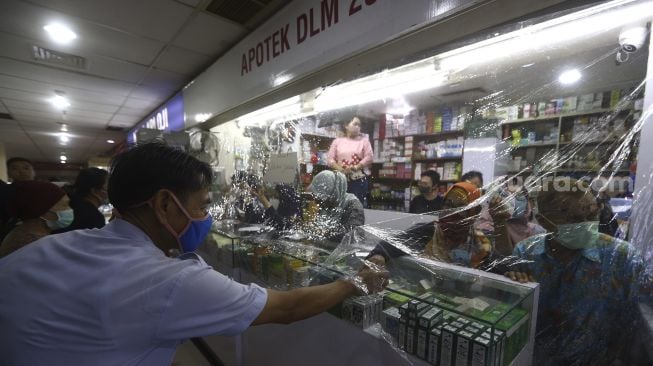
[18, 159]
[137, 174]
[346, 122]
[472, 174]
[435, 177]
[90, 178]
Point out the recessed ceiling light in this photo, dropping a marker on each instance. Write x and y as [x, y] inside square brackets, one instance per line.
[569, 77]
[64, 127]
[60, 33]
[111, 142]
[63, 158]
[63, 162]
[60, 102]
[63, 138]
[528, 65]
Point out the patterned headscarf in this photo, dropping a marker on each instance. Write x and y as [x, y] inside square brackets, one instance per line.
[330, 186]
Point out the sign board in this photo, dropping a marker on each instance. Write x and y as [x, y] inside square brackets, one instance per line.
[169, 117]
[283, 168]
[304, 36]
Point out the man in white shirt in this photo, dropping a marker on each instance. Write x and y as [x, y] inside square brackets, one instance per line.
[111, 296]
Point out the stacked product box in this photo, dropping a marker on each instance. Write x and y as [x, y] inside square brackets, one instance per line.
[363, 311]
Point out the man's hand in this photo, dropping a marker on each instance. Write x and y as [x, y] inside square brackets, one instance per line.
[520, 277]
[372, 278]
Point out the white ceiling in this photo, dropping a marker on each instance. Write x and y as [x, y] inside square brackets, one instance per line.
[138, 54]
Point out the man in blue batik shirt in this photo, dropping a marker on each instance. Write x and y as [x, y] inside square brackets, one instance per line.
[590, 283]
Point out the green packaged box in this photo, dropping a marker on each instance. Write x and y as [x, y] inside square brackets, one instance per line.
[433, 350]
[390, 322]
[430, 318]
[411, 336]
[463, 353]
[481, 352]
[447, 347]
[402, 333]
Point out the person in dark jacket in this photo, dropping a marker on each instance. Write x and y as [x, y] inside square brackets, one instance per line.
[90, 192]
[289, 209]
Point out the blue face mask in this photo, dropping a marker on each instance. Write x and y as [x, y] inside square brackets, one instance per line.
[194, 233]
[64, 219]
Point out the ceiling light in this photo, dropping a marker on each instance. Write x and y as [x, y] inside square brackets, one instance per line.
[569, 77]
[528, 65]
[63, 158]
[63, 162]
[64, 127]
[64, 138]
[60, 102]
[203, 117]
[60, 33]
[111, 142]
[528, 40]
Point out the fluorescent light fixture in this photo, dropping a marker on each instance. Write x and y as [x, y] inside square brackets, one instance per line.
[63, 162]
[64, 127]
[288, 109]
[110, 141]
[528, 65]
[63, 158]
[569, 77]
[202, 117]
[390, 84]
[556, 32]
[60, 33]
[60, 102]
[281, 79]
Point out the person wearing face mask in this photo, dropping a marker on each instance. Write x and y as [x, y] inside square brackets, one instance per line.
[452, 238]
[590, 283]
[339, 211]
[40, 207]
[114, 296]
[90, 192]
[352, 155]
[428, 200]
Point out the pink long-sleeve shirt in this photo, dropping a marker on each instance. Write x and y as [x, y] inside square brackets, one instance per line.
[347, 151]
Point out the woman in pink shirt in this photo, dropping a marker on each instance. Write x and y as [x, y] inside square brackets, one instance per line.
[352, 155]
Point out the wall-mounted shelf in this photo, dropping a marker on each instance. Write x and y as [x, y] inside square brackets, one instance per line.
[426, 135]
[557, 116]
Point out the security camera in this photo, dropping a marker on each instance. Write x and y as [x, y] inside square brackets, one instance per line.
[631, 39]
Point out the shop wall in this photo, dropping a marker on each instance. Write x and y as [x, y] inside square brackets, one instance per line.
[3, 163]
[298, 40]
[234, 146]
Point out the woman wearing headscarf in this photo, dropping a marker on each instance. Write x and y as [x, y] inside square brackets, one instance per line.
[41, 208]
[339, 211]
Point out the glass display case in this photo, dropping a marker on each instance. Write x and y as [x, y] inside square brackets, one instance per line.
[436, 312]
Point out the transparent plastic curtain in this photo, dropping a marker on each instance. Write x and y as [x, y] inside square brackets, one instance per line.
[562, 128]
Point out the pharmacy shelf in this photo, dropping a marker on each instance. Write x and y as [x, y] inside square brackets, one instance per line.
[427, 135]
[557, 116]
[452, 158]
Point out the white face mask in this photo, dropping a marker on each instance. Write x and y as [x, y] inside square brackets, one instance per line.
[576, 236]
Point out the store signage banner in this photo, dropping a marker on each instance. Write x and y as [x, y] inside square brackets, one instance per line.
[169, 117]
[303, 37]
